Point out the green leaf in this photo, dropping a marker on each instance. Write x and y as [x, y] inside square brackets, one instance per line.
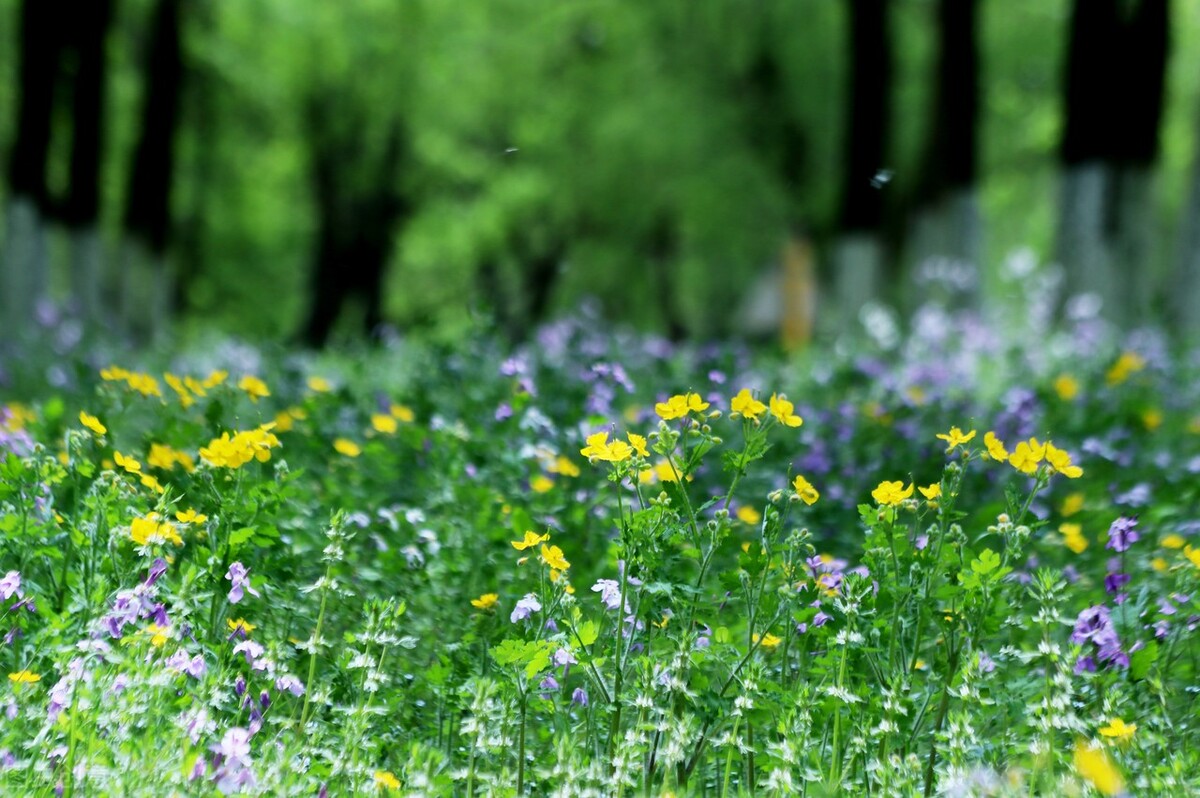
[587, 632]
[508, 652]
[1141, 660]
[986, 562]
[238, 537]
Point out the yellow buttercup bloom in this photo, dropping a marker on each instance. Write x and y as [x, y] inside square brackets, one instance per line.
[128, 463]
[402, 413]
[1127, 364]
[319, 384]
[92, 423]
[1193, 555]
[891, 493]
[680, 405]
[385, 424]
[746, 405]
[1073, 537]
[486, 601]
[531, 539]
[152, 530]
[159, 635]
[153, 484]
[190, 516]
[562, 465]
[1072, 504]
[1027, 455]
[385, 780]
[933, 492]
[956, 437]
[995, 447]
[768, 640]
[1118, 729]
[639, 444]
[1060, 461]
[254, 387]
[1066, 386]
[1173, 541]
[748, 515]
[1096, 768]
[553, 556]
[347, 447]
[240, 625]
[782, 409]
[24, 677]
[214, 379]
[598, 448]
[805, 490]
[541, 483]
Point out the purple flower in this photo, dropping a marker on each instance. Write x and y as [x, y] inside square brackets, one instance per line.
[549, 683]
[504, 411]
[610, 592]
[157, 569]
[194, 667]
[563, 656]
[233, 755]
[10, 585]
[1122, 533]
[291, 684]
[238, 576]
[580, 697]
[525, 607]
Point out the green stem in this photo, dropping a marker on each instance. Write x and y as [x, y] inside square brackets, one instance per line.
[316, 642]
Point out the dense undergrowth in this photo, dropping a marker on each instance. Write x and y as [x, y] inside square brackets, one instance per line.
[955, 563]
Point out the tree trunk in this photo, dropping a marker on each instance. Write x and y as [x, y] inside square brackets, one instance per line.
[948, 223]
[24, 271]
[859, 256]
[81, 208]
[145, 269]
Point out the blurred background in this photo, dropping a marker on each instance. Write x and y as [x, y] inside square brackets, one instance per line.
[303, 170]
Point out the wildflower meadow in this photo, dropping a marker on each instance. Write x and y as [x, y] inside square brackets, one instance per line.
[942, 562]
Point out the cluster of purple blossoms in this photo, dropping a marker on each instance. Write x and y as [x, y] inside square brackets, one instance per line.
[238, 575]
[1122, 534]
[233, 767]
[1094, 630]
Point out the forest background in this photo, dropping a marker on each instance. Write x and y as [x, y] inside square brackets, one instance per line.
[247, 164]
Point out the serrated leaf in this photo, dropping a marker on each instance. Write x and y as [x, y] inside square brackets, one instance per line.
[587, 632]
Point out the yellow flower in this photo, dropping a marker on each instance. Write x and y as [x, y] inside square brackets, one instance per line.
[1152, 419]
[24, 677]
[150, 530]
[541, 483]
[638, 443]
[143, 384]
[1066, 386]
[241, 448]
[1118, 729]
[214, 379]
[1159, 564]
[128, 463]
[159, 635]
[402, 413]
[748, 515]
[804, 489]
[531, 540]
[240, 625]
[153, 484]
[1098, 770]
[1173, 541]
[680, 405]
[254, 387]
[486, 601]
[768, 640]
[746, 405]
[385, 780]
[1027, 455]
[782, 409]
[385, 424]
[933, 492]
[598, 448]
[995, 447]
[113, 374]
[1073, 537]
[1060, 461]
[1128, 363]
[92, 423]
[347, 447]
[553, 557]
[1072, 504]
[195, 386]
[177, 385]
[319, 384]
[190, 516]
[891, 493]
[956, 437]
[562, 465]
[1193, 555]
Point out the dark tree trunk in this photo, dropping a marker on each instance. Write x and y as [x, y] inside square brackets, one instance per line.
[23, 272]
[355, 226]
[148, 208]
[1113, 97]
[869, 119]
[859, 255]
[663, 250]
[146, 290]
[80, 209]
[947, 222]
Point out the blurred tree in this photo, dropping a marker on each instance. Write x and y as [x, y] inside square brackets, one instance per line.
[80, 211]
[947, 220]
[24, 273]
[1115, 68]
[146, 291]
[358, 205]
[859, 250]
